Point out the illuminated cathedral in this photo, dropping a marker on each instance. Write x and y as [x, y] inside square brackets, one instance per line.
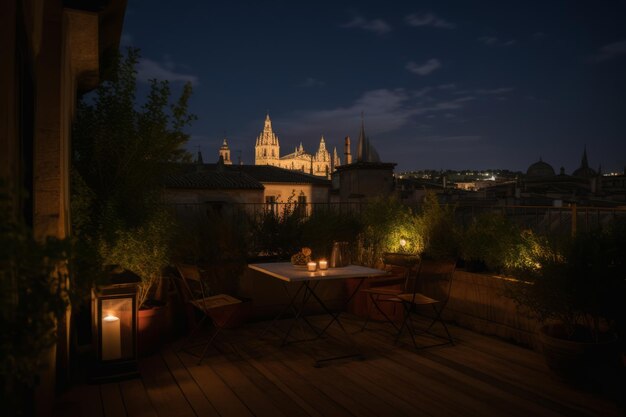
[267, 152]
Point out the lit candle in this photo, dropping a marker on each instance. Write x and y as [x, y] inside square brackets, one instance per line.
[323, 264]
[111, 338]
[311, 266]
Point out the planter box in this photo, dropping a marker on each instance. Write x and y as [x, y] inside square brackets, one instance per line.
[477, 303]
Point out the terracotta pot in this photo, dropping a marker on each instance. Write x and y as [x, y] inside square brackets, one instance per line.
[151, 329]
[578, 360]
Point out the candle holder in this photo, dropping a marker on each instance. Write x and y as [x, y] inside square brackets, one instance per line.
[323, 264]
[311, 266]
[114, 330]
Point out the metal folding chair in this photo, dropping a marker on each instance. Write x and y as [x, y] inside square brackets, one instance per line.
[197, 295]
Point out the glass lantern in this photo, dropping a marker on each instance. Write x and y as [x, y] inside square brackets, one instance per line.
[114, 326]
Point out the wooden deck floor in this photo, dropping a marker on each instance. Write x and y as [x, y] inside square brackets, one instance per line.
[479, 376]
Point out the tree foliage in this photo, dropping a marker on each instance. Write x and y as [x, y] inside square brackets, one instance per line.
[121, 150]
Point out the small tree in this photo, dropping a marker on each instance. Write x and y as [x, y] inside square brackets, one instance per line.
[120, 152]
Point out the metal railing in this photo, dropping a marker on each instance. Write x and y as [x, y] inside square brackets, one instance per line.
[543, 219]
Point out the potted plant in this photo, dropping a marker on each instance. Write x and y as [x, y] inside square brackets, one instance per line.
[577, 293]
[144, 250]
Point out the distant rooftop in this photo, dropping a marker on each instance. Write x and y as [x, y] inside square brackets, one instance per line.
[220, 176]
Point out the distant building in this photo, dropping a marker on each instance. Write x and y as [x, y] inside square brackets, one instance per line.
[267, 152]
[366, 178]
[257, 186]
[542, 186]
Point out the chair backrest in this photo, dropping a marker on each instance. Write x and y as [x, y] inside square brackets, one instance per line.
[191, 278]
[434, 278]
[403, 265]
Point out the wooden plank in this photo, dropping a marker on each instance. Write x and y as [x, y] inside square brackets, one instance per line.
[162, 389]
[196, 398]
[305, 394]
[112, 400]
[256, 400]
[136, 399]
[332, 381]
[218, 393]
[285, 403]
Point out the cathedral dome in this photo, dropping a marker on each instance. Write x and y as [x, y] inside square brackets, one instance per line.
[540, 169]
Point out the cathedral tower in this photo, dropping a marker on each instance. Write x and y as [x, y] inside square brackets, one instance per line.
[267, 148]
[225, 153]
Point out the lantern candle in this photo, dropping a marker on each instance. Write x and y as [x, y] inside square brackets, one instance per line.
[111, 338]
[323, 264]
[311, 266]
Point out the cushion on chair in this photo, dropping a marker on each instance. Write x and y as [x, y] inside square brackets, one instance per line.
[215, 301]
[382, 291]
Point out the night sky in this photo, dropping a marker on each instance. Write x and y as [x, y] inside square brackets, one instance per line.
[442, 85]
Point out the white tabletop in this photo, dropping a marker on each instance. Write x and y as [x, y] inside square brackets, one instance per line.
[287, 272]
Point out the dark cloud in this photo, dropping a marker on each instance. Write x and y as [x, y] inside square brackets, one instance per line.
[428, 19]
[611, 51]
[148, 69]
[425, 68]
[378, 26]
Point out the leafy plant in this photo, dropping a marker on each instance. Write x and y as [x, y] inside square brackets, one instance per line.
[34, 294]
[143, 250]
[581, 283]
[279, 232]
[440, 234]
[491, 242]
[385, 223]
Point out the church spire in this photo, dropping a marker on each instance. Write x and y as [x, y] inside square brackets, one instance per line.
[362, 146]
[584, 163]
[268, 124]
[225, 152]
[199, 160]
[267, 148]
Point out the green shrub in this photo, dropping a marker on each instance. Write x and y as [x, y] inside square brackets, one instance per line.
[441, 236]
[385, 222]
[491, 241]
